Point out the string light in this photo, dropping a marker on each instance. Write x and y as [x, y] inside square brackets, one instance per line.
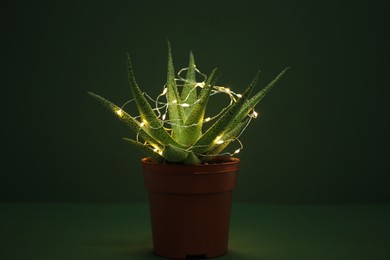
[163, 106]
[218, 140]
[254, 114]
[119, 112]
[200, 84]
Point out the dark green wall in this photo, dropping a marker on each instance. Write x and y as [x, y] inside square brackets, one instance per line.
[322, 135]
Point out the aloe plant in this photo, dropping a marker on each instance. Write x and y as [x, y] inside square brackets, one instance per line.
[176, 136]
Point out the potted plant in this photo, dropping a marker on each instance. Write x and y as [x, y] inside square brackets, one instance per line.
[189, 178]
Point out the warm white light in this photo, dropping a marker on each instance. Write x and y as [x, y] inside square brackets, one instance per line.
[255, 114]
[162, 107]
[119, 112]
[218, 140]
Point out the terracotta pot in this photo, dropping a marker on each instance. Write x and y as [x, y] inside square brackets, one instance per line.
[190, 207]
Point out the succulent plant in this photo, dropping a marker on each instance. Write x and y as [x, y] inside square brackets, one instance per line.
[176, 135]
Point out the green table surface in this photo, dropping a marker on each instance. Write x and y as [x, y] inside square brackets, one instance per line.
[257, 231]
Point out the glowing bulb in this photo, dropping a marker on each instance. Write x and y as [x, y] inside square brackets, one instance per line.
[143, 123]
[218, 140]
[239, 95]
[207, 119]
[237, 151]
[119, 112]
[155, 150]
[200, 84]
[165, 91]
[255, 114]
[184, 105]
[163, 116]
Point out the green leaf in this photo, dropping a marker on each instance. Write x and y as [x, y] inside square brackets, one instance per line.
[251, 103]
[236, 125]
[229, 137]
[193, 125]
[192, 159]
[197, 113]
[132, 123]
[146, 150]
[216, 131]
[174, 154]
[175, 110]
[188, 94]
[152, 125]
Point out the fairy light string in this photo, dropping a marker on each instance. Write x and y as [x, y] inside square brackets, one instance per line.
[161, 110]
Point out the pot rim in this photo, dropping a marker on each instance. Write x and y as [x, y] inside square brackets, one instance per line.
[217, 161]
[152, 167]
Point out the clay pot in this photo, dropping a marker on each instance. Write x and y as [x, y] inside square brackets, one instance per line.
[190, 207]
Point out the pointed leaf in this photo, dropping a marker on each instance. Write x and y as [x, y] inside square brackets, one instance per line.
[188, 94]
[229, 137]
[193, 125]
[199, 108]
[146, 150]
[176, 112]
[192, 159]
[174, 154]
[152, 125]
[217, 130]
[132, 123]
[251, 103]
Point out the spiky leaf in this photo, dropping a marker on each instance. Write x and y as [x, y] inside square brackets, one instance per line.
[229, 138]
[217, 130]
[251, 103]
[152, 125]
[192, 129]
[236, 125]
[192, 159]
[132, 123]
[174, 154]
[188, 93]
[176, 112]
[146, 150]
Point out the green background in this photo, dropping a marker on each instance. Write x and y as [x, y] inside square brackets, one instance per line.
[322, 136]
